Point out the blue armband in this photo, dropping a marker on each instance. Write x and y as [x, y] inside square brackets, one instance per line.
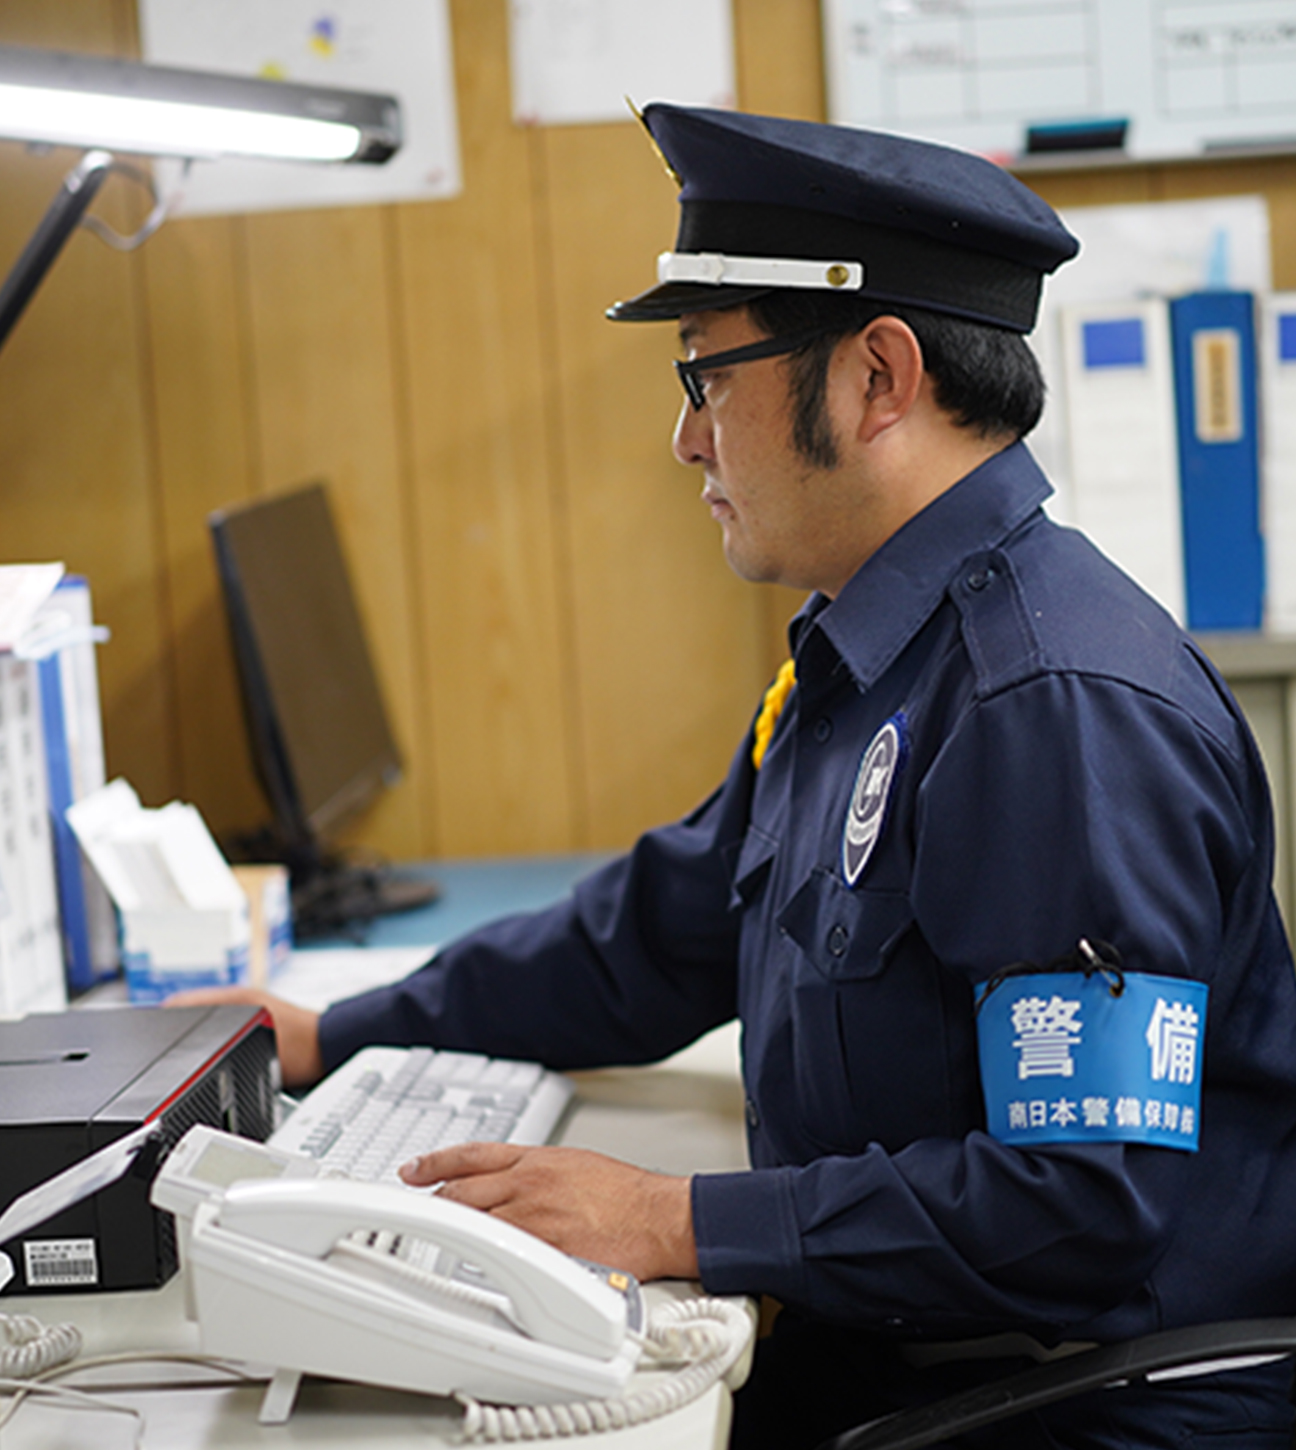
[1073, 1057]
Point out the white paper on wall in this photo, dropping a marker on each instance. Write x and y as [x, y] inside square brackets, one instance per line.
[578, 60]
[395, 47]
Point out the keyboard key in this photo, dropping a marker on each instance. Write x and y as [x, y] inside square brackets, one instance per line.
[388, 1105]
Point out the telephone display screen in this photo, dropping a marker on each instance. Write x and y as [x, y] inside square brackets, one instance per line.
[220, 1165]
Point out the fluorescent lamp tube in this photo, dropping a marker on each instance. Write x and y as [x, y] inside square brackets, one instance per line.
[118, 123]
[83, 100]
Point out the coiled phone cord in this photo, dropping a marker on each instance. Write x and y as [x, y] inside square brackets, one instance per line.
[706, 1335]
[30, 1347]
[703, 1336]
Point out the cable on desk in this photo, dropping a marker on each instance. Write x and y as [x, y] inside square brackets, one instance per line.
[699, 1339]
[21, 1389]
[22, 1385]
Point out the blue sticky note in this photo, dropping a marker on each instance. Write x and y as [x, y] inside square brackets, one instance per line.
[1115, 342]
[1287, 337]
[1063, 1060]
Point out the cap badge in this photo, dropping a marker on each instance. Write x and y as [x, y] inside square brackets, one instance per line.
[652, 141]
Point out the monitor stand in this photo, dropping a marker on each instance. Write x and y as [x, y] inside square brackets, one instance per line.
[332, 896]
[340, 898]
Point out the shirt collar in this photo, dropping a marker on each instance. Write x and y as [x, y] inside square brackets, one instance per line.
[893, 593]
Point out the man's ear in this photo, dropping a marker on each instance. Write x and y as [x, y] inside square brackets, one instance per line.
[888, 374]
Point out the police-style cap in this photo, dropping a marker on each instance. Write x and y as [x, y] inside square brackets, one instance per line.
[768, 204]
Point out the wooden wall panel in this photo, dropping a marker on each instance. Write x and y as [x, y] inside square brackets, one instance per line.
[1063, 189]
[325, 401]
[496, 660]
[204, 434]
[98, 27]
[780, 59]
[657, 610]
[75, 469]
[778, 49]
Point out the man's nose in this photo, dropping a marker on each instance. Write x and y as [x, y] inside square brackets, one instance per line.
[692, 441]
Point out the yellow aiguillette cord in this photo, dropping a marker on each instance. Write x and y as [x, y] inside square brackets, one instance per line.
[771, 709]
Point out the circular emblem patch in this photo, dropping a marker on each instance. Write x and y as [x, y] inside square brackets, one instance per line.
[869, 800]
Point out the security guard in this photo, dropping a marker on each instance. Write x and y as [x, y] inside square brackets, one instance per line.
[992, 755]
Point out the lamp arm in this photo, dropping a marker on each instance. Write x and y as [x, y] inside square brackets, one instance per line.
[160, 211]
[79, 189]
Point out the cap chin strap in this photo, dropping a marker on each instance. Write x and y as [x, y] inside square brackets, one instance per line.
[716, 269]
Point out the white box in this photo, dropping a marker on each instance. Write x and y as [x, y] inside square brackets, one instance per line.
[184, 917]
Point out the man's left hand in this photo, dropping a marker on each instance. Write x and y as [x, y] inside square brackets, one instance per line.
[583, 1203]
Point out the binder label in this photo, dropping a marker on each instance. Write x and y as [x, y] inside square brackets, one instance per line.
[1287, 337]
[1115, 342]
[1217, 385]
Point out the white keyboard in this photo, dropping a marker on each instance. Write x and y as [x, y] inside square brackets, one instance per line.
[389, 1104]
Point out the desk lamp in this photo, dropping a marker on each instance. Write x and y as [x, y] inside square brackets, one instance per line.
[52, 98]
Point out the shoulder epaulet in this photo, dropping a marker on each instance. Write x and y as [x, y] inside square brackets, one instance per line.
[1000, 634]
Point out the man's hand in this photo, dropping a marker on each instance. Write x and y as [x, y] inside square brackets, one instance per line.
[296, 1028]
[583, 1203]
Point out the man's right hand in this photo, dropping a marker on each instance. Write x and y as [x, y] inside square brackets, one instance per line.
[296, 1028]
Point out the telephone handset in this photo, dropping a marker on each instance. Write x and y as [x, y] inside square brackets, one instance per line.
[555, 1298]
[278, 1278]
[392, 1286]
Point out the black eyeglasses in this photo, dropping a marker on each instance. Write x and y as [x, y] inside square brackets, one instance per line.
[694, 369]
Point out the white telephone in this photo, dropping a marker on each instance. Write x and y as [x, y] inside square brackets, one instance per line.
[392, 1286]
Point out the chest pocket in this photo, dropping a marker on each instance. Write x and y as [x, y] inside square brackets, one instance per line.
[751, 866]
[843, 933]
[869, 1052]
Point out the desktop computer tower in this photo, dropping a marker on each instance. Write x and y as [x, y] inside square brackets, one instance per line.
[73, 1082]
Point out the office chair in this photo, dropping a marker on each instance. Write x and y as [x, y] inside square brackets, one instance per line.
[1173, 1353]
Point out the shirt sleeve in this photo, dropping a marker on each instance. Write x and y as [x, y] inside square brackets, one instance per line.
[637, 962]
[1063, 807]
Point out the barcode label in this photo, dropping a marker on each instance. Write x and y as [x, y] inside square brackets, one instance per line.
[60, 1263]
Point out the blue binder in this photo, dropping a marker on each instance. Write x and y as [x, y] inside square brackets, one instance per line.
[1214, 344]
[79, 961]
[67, 853]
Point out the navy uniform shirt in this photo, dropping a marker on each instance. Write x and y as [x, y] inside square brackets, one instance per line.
[1067, 765]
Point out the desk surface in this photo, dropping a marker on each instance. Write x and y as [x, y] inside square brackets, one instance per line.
[682, 1116]
[477, 891]
[189, 1408]
[668, 1118]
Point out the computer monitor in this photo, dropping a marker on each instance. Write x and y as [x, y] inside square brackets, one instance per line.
[320, 738]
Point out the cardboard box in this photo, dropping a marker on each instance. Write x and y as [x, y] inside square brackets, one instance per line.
[270, 918]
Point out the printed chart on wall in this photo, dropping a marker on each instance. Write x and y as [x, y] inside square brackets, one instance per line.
[396, 47]
[1185, 76]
